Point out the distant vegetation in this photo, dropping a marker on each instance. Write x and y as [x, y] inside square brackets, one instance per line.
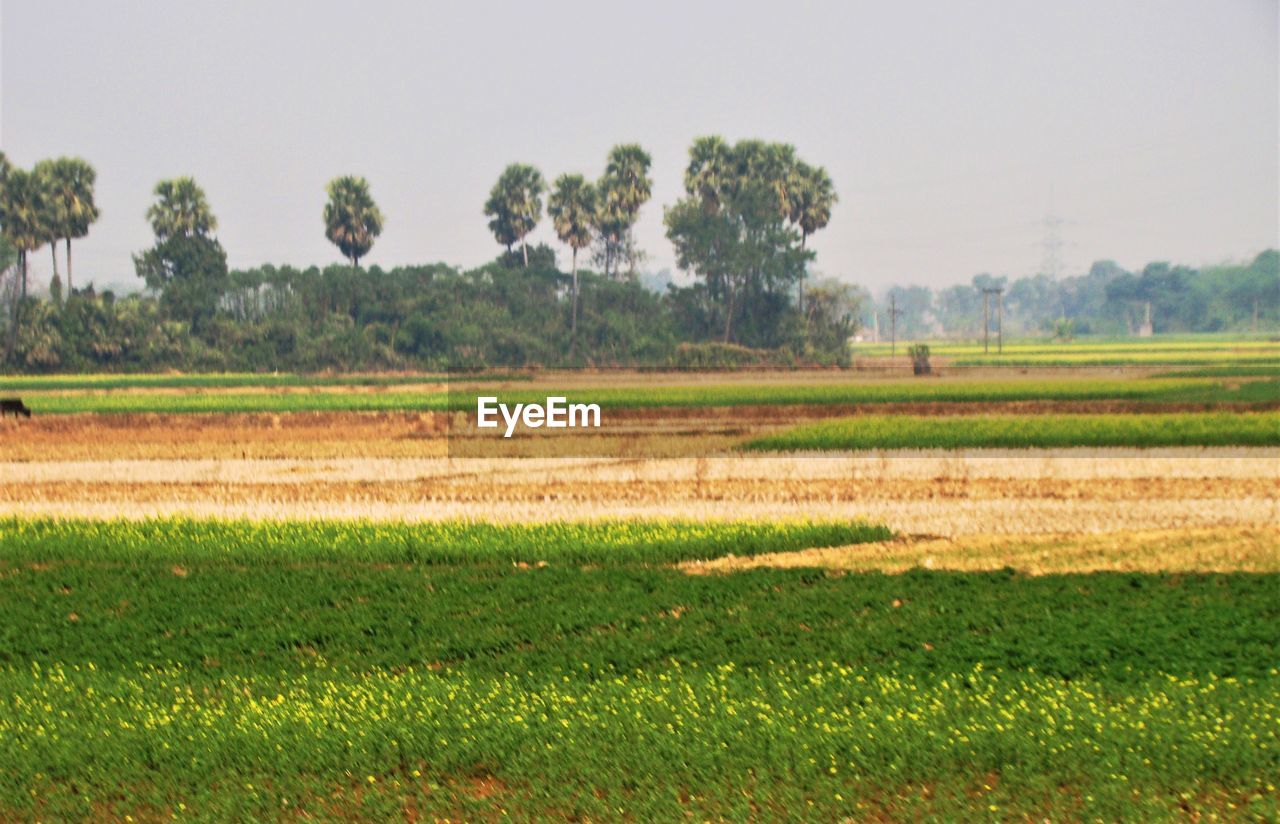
[741, 229]
[1108, 300]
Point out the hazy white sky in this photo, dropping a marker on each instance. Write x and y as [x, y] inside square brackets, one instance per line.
[950, 128]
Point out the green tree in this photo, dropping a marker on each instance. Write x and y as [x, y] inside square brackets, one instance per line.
[811, 196]
[732, 230]
[352, 221]
[181, 210]
[70, 181]
[515, 206]
[189, 272]
[24, 222]
[24, 215]
[623, 189]
[573, 208]
[187, 265]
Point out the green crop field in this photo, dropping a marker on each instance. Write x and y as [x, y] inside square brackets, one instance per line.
[230, 671]
[1165, 351]
[712, 394]
[1023, 431]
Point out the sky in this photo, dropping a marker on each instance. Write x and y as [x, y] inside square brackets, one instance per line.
[951, 129]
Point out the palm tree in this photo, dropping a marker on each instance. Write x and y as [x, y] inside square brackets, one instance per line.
[624, 188]
[515, 205]
[352, 221]
[180, 210]
[573, 209]
[70, 181]
[24, 215]
[709, 172]
[811, 196]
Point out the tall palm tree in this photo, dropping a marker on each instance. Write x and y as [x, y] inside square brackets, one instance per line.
[181, 209]
[811, 196]
[70, 181]
[708, 175]
[515, 205]
[624, 188]
[24, 216]
[352, 221]
[573, 209]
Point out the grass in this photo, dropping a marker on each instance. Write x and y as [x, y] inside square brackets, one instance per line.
[1028, 431]
[148, 674]
[655, 394]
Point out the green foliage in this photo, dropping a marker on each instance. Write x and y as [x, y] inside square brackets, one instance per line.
[572, 208]
[1108, 300]
[352, 221]
[732, 231]
[515, 206]
[623, 189]
[190, 272]
[1021, 431]
[713, 355]
[919, 354]
[181, 210]
[443, 542]
[224, 671]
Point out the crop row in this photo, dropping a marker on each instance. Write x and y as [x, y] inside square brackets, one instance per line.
[181, 540]
[1028, 431]
[819, 740]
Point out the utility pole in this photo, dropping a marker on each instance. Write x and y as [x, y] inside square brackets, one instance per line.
[1000, 322]
[894, 311]
[986, 320]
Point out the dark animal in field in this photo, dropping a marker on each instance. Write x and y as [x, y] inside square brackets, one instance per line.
[14, 405]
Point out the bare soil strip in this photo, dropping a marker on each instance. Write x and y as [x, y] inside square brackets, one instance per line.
[1230, 549]
[925, 492]
[946, 518]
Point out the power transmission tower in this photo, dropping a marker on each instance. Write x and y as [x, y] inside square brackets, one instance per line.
[987, 292]
[1051, 247]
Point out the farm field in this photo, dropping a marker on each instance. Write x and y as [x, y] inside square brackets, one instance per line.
[1201, 350]
[338, 677]
[983, 596]
[629, 390]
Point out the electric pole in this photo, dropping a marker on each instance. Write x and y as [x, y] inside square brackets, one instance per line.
[894, 311]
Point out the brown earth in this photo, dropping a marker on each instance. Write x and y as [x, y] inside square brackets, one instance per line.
[1230, 549]
[395, 466]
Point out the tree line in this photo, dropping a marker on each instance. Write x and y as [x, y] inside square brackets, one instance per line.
[1107, 300]
[742, 229]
